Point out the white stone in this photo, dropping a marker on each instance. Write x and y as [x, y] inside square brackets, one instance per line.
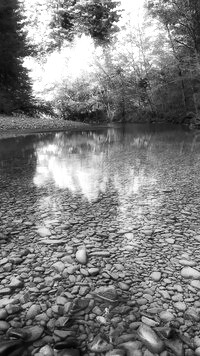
[189, 272]
[150, 339]
[81, 256]
[44, 232]
[195, 283]
[156, 276]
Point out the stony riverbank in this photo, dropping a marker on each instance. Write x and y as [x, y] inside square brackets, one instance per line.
[101, 274]
[11, 126]
[146, 275]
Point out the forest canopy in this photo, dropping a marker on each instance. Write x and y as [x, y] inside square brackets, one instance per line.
[95, 60]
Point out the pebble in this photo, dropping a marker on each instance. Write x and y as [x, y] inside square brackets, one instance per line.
[33, 311]
[195, 284]
[156, 276]
[189, 272]
[81, 256]
[4, 325]
[58, 249]
[166, 316]
[150, 339]
[44, 232]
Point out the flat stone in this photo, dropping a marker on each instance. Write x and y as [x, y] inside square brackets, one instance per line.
[3, 261]
[52, 242]
[6, 301]
[100, 253]
[33, 311]
[187, 263]
[148, 321]
[93, 271]
[195, 283]
[189, 272]
[150, 339]
[34, 332]
[156, 276]
[5, 291]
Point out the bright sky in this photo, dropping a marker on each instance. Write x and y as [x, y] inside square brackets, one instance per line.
[67, 61]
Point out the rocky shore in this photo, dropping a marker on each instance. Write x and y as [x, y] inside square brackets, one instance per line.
[84, 280]
[11, 126]
[116, 275]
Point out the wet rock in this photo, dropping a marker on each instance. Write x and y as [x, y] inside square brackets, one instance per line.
[81, 255]
[46, 351]
[150, 339]
[59, 266]
[181, 306]
[16, 283]
[188, 263]
[100, 253]
[149, 322]
[3, 314]
[5, 291]
[189, 272]
[116, 352]
[68, 352]
[34, 332]
[132, 347]
[195, 283]
[99, 344]
[176, 346]
[3, 261]
[192, 314]
[197, 351]
[4, 325]
[106, 293]
[156, 276]
[52, 242]
[197, 341]
[33, 311]
[94, 271]
[166, 316]
[123, 286]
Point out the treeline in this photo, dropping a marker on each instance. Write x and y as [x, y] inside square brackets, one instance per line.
[135, 72]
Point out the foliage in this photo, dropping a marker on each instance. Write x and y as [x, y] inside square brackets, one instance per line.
[15, 87]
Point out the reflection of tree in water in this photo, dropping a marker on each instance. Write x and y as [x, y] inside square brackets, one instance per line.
[85, 162]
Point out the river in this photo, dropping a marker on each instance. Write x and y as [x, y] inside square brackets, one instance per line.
[130, 195]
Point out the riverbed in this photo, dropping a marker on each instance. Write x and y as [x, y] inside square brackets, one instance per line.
[129, 198]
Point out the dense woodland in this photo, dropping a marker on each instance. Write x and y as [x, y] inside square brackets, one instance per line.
[133, 71]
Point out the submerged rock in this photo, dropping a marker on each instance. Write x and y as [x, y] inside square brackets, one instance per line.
[150, 339]
[99, 344]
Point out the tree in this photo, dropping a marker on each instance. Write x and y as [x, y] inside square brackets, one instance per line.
[181, 20]
[15, 86]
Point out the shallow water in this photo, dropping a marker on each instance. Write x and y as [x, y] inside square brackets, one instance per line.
[131, 192]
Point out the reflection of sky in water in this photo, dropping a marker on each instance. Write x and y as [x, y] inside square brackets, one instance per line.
[88, 163]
